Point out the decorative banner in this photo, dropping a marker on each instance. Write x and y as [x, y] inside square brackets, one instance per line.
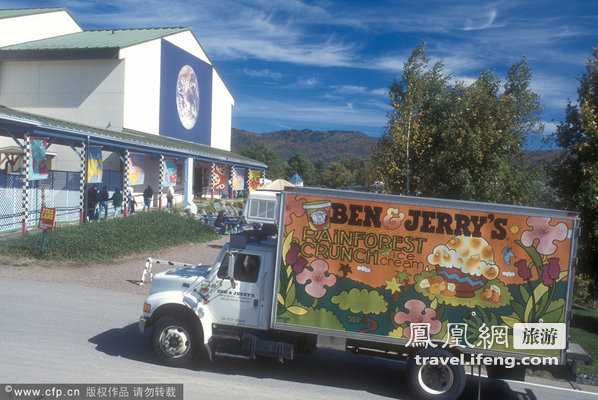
[38, 168]
[136, 171]
[95, 168]
[170, 172]
[219, 177]
[254, 179]
[239, 179]
[185, 95]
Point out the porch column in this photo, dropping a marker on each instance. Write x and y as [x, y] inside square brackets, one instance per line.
[188, 194]
[26, 157]
[126, 187]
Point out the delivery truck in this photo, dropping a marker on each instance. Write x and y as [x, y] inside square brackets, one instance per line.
[442, 284]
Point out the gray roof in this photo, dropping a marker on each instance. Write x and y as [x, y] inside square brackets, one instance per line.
[20, 12]
[100, 39]
[129, 139]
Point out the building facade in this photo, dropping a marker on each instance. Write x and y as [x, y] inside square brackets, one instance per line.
[120, 108]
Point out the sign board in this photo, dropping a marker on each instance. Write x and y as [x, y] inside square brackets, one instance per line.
[47, 218]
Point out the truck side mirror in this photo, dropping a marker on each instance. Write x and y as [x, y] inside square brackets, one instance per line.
[231, 269]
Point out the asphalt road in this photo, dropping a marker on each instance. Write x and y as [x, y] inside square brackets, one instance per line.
[53, 332]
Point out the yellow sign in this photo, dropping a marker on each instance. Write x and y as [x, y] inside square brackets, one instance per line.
[47, 218]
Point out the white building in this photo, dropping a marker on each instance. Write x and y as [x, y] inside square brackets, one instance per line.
[152, 92]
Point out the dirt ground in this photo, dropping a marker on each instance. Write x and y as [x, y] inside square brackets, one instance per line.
[121, 275]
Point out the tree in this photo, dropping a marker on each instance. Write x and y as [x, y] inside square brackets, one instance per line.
[399, 155]
[457, 141]
[266, 155]
[298, 163]
[575, 175]
[335, 176]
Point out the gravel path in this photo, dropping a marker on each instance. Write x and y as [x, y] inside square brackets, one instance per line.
[120, 275]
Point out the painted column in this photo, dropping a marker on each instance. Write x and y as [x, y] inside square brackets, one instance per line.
[230, 182]
[161, 182]
[126, 182]
[26, 184]
[212, 182]
[188, 195]
[82, 180]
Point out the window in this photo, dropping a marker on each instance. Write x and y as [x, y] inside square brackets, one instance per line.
[247, 267]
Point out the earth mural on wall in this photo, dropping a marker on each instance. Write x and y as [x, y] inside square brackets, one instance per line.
[187, 97]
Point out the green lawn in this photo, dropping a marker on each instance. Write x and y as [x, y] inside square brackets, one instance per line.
[584, 331]
[112, 239]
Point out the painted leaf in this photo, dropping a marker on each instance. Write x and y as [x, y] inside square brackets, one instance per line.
[290, 299]
[297, 310]
[509, 320]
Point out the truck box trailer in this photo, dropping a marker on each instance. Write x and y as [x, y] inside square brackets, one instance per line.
[439, 283]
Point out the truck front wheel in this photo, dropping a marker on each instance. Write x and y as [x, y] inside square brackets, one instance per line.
[438, 379]
[174, 341]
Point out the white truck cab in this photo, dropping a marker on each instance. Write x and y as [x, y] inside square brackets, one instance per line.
[215, 306]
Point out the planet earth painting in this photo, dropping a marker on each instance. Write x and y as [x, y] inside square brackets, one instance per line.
[187, 97]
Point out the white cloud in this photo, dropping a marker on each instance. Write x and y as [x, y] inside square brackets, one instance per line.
[262, 73]
[307, 82]
[355, 90]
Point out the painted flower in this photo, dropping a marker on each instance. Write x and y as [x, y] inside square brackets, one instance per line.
[523, 269]
[550, 271]
[545, 233]
[318, 277]
[293, 207]
[295, 259]
[417, 312]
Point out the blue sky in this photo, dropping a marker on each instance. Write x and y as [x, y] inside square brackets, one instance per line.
[327, 65]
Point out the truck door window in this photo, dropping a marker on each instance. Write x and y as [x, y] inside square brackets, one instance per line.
[223, 270]
[247, 267]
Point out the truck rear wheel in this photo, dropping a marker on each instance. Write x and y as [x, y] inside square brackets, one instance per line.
[174, 341]
[431, 380]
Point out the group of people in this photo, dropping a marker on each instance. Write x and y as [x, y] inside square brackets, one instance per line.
[97, 201]
[221, 220]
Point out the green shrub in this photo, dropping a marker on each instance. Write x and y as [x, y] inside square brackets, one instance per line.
[112, 239]
[582, 287]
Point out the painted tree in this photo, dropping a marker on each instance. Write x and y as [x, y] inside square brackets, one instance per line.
[363, 302]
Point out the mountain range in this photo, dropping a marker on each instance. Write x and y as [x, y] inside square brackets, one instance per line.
[331, 145]
[325, 145]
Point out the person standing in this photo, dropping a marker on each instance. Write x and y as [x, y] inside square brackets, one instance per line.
[148, 193]
[92, 202]
[117, 201]
[131, 201]
[169, 197]
[103, 197]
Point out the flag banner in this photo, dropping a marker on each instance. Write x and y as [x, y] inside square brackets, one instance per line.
[254, 179]
[38, 167]
[219, 177]
[136, 171]
[170, 172]
[239, 179]
[95, 168]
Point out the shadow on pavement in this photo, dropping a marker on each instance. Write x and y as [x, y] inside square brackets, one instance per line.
[378, 376]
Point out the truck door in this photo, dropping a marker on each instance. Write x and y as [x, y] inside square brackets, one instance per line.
[236, 292]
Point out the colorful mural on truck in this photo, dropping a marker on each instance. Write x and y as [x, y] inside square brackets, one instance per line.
[386, 269]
